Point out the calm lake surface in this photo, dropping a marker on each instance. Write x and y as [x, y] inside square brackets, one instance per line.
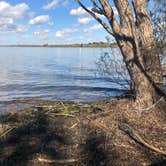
[68, 74]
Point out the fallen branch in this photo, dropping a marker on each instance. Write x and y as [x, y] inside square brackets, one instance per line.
[7, 132]
[135, 136]
[64, 161]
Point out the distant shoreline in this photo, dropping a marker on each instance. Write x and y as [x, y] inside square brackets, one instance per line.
[104, 45]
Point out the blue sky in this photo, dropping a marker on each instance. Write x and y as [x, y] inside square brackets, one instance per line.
[47, 21]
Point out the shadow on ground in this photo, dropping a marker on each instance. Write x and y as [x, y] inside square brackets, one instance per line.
[55, 140]
[46, 137]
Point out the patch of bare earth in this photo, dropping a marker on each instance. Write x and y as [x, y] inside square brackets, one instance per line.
[114, 133]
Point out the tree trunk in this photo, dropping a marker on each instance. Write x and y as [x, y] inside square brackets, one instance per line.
[130, 49]
[144, 67]
[142, 88]
[151, 59]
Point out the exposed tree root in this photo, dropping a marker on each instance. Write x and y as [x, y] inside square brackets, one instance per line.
[135, 136]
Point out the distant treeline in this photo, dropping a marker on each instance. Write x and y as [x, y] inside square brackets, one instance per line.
[94, 44]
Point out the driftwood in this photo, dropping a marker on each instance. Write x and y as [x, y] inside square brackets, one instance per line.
[135, 136]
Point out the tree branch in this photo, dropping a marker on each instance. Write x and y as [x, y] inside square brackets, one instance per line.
[96, 8]
[105, 26]
[109, 13]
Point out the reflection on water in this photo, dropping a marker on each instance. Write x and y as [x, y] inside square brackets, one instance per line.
[54, 74]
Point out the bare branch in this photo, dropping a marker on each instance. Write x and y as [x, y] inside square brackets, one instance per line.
[105, 26]
[96, 8]
[98, 11]
[109, 13]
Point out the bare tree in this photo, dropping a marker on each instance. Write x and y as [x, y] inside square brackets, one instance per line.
[137, 45]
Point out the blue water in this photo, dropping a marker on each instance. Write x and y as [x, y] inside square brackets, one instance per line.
[69, 74]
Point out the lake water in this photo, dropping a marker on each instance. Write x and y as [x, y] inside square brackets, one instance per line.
[68, 74]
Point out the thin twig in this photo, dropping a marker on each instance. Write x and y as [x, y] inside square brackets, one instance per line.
[74, 125]
[105, 26]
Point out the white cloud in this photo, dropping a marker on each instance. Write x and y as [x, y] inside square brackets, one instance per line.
[4, 21]
[65, 32]
[15, 12]
[93, 28]
[42, 34]
[83, 16]
[21, 28]
[39, 20]
[84, 20]
[12, 28]
[8, 16]
[59, 33]
[78, 12]
[51, 5]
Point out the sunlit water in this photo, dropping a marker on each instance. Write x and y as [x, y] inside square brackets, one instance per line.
[68, 74]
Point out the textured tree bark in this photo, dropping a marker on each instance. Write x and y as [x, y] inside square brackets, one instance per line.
[142, 87]
[147, 44]
[129, 45]
[144, 73]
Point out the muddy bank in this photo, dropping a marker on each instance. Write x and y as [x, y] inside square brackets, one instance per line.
[78, 134]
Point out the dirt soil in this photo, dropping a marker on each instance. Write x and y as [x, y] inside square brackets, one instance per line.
[79, 134]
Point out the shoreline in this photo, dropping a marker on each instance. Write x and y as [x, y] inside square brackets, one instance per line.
[21, 104]
[67, 46]
[62, 132]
